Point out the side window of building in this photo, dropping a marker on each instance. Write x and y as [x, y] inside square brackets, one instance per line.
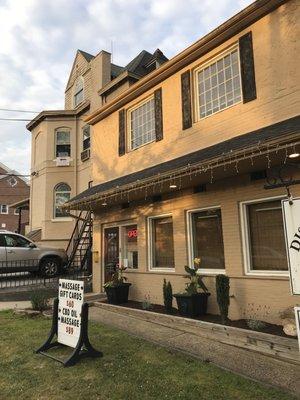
[78, 91]
[3, 209]
[219, 83]
[62, 194]
[264, 237]
[62, 143]
[141, 124]
[86, 137]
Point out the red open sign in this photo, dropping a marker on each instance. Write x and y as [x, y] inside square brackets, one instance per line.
[132, 233]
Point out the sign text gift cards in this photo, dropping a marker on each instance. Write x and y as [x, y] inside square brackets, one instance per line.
[69, 311]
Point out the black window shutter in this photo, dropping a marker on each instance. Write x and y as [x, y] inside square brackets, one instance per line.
[186, 101]
[247, 67]
[122, 133]
[158, 114]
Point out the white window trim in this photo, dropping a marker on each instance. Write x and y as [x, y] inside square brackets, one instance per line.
[62, 129]
[7, 209]
[196, 95]
[128, 124]
[55, 218]
[83, 128]
[191, 256]
[246, 242]
[150, 243]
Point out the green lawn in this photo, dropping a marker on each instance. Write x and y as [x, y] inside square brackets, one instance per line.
[130, 369]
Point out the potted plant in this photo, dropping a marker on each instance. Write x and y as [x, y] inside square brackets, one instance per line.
[193, 302]
[117, 288]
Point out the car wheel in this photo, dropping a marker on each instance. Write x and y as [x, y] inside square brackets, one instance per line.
[49, 267]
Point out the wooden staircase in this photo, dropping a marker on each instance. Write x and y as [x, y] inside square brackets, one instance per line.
[79, 248]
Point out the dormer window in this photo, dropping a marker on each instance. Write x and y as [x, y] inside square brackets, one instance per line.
[78, 91]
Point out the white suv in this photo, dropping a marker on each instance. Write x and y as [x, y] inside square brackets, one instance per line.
[19, 254]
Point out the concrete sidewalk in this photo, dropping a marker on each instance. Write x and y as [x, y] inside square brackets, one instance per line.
[259, 367]
[10, 305]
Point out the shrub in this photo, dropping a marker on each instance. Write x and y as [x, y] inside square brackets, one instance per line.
[146, 304]
[168, 296]
[223, 299]
[39, 300]
[255, 324]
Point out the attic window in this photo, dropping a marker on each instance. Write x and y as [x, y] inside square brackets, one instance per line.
[12, 181]
[78, 92]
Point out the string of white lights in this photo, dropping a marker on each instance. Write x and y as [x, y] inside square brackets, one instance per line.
[174, 177]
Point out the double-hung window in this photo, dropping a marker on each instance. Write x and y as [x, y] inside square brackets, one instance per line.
[206, 239]
[78, 92]
[263, 234]
[142, 124]
[86, 139]
[161, 242]
[3, 209]
[63, 143]
[62, 194]
[218, 84]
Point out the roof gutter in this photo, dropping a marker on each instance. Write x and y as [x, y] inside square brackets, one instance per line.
[228, 29]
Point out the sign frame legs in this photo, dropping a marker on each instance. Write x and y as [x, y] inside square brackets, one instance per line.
[83, 348]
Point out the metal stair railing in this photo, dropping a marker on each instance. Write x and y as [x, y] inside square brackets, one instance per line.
[80, 243]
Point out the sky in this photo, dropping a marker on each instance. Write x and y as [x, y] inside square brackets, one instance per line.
[39, 39]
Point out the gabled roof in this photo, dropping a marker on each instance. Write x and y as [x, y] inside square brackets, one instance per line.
[263, 136]
[140, 64]
[11, 172]
[137, 68]
[116, 70]
[86, 55]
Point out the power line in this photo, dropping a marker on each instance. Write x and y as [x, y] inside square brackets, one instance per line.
[33, 119]
[23, 111]
[15, 119]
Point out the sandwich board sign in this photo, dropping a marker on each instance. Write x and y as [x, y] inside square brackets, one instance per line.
[291, 221]
[70, 324]
[70, 301]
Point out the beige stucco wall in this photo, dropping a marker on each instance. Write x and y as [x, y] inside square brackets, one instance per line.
[276, 56]
[77, 175]
[270, 291]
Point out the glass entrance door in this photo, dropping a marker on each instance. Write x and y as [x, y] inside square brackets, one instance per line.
[111, 251]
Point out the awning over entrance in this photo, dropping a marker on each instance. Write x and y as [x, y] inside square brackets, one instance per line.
[281, 137]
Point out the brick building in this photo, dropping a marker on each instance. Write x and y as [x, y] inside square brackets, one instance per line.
[13, 189]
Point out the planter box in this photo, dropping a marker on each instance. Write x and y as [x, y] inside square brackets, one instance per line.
[117, 294]
[192, 305]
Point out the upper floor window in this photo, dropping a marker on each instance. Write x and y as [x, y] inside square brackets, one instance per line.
[142, 124]
[78, 91]
[86, 140]
[63, 143]
[3, 209]
[218, 85]
[62, 194]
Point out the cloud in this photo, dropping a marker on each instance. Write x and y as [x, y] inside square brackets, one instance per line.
[39, 40]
